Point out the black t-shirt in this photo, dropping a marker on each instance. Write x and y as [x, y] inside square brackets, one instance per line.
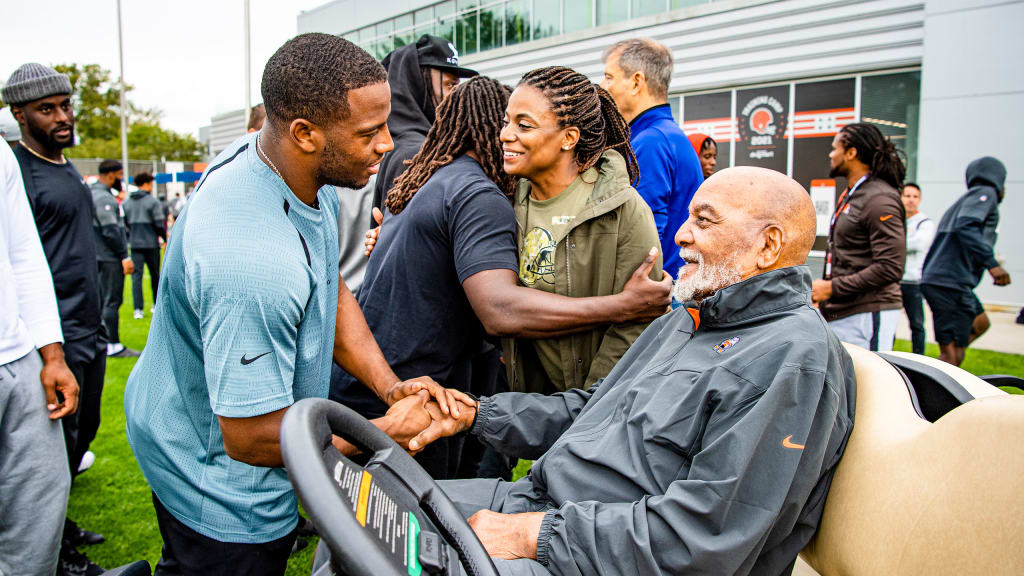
[63, 210]
[458, 224]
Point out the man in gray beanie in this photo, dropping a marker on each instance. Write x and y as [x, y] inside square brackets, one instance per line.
[40, 99]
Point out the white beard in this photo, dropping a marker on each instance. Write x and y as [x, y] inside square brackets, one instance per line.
[706, 280]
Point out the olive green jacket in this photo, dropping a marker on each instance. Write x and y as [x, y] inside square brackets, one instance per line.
[607, 242]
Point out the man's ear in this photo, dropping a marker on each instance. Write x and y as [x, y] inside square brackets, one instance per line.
[307, 136]
[639, 80]
[773, 238]
[19, 115]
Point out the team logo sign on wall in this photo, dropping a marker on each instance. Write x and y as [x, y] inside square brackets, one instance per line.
[763, 113]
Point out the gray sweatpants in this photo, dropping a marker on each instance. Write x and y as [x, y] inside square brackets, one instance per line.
[471, 496]
[34, 479]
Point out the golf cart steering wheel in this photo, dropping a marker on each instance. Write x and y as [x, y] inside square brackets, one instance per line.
[389, 518]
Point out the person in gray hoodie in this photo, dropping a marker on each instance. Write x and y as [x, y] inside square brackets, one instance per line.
[710, 447]
[961, 253]
[146, 220]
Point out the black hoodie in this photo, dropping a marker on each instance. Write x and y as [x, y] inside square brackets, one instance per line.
[962, 250]
[412, 115]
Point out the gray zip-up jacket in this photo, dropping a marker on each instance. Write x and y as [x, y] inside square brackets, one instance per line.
[108, 225]
[145, 216]
[709, 448]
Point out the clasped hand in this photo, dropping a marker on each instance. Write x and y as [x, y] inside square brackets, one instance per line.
[423, 411]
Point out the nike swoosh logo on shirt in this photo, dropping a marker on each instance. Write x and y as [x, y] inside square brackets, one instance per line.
[884, 218]
[787, 442]
[247, 361]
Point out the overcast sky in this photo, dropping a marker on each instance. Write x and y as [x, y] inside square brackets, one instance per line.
[185, 57]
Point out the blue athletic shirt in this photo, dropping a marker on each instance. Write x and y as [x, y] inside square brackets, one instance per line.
[244, 326]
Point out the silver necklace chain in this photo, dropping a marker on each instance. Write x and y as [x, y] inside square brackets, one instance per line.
[259, 148]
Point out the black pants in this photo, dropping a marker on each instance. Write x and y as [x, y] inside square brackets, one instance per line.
[111, 296]
[913, 304]
[151, 258]
[87, 360]
[188, 552]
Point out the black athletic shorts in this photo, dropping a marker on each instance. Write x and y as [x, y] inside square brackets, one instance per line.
[953, 313]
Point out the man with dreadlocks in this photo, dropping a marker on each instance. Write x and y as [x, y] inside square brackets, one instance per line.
[444, 271]
[859, 293]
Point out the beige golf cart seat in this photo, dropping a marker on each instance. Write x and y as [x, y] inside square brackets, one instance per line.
[913, 497]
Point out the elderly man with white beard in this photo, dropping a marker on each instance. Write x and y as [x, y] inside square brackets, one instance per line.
[710, 447]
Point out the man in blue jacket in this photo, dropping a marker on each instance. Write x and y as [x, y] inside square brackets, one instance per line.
[637, 73]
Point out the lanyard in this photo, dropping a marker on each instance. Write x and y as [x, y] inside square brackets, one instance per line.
[844, 202]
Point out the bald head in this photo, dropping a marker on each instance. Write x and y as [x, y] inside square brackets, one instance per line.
[743, 221]
[768, 198]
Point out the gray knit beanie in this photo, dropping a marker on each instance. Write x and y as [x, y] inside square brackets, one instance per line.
[34, 81]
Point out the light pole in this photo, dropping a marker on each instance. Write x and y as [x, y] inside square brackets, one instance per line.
[124, 119]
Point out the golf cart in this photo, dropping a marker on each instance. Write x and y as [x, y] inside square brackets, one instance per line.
[932, 482]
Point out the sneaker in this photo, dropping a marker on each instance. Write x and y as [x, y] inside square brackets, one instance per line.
[87, 460]
[74, 563]
[125, 352]
[75, 535]
[138, 314]
[306, 529]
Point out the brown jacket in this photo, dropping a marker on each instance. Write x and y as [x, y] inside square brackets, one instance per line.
[869, 251]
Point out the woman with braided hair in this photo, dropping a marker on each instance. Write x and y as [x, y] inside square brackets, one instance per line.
[859, 294]
[581, 226]
[442, 274]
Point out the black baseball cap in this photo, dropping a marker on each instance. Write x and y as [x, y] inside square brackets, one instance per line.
[437, 52]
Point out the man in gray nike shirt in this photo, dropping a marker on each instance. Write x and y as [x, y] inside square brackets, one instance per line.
[710, 447]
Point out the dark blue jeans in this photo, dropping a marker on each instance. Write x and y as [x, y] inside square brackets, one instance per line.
[913, 304]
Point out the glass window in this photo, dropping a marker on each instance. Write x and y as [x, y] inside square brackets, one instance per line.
[820, 110]
[577, 15]
[892, 102]
[492, 29]
[385, 43]
[352, 36]
[517, 21]
[646, 7]
[609, 11]
[424, 20]
[711, 114]
[404, 30]
[685, 3]
[547, 18]
[466, 27]
[445, 15]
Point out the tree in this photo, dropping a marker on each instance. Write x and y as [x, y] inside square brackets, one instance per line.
[97, 101]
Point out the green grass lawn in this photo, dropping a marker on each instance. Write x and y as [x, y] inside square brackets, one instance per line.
[113, 498]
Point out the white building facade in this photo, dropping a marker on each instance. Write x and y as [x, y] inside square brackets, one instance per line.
[772, 80]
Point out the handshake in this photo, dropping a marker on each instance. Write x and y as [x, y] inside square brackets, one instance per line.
[421, 411]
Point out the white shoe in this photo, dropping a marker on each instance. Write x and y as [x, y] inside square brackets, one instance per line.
[138, 314]
[87, 460]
